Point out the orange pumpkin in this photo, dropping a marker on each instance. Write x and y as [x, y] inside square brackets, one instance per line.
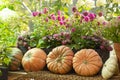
[87, 62]
[59, 60]
[34, 60]
[15, 55]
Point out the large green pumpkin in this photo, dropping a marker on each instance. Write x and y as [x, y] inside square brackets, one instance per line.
[15, 55]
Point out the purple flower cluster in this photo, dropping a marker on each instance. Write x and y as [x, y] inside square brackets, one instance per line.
[88, 16]
[73, 28]
[37, 13]
[60, 18]
[61, 38]
[98, 42]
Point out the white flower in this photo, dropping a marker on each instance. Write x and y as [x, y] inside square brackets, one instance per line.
[80, 3]
[90, 4]
[100, 3]
[116, 1]
[67, 1]
[6, 14]
[87, 3]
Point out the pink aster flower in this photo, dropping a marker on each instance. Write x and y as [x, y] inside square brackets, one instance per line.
[45, 10]
[59, 18]
[85, 13]
[74, 9]
[61, 23]
[63, 18]
[53, 17]
[102, 47]
[63, 42]
[92, 16]
[55, 35]
[86, 18]
[73, 29]
[59, 12]
[46, 19]
[104, 23]
[35, 13]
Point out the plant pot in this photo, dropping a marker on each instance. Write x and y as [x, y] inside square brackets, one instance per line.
[117, 50]
[4, 73]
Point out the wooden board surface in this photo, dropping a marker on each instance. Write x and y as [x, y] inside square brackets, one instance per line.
[47, 75]
[15, 74]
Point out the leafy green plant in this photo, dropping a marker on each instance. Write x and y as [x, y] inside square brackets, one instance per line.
[4, 59]
[47, 30]
[51, 30]
[46, 24]
[112, 31]
[8, 32]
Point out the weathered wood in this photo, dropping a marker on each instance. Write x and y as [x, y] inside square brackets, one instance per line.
[15, 74]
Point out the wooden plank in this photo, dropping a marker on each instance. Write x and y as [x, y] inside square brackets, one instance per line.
[15, 74]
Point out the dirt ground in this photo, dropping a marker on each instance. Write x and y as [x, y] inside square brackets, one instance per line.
[47, 75]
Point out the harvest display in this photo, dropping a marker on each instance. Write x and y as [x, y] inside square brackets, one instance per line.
[60, 37]
[62, 60]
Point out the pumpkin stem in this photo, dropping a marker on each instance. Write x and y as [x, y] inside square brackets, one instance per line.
[85, 62]
[59, 58]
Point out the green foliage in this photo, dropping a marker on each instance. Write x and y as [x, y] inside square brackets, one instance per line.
[7, 35]
[9, 31]
[10, 4]
[0, 73]
[40, 28]
[112, 31]
[8, 38]
[4, 59]
[43, 28]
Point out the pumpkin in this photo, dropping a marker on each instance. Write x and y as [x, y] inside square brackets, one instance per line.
[59, 60]
[15, 55]
[34, 60]
[110, 67]
[87, 62]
